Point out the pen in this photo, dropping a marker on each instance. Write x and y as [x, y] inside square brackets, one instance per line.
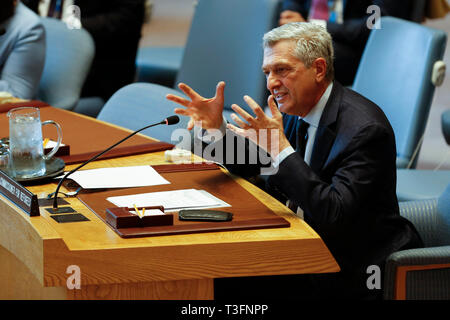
[137, 211]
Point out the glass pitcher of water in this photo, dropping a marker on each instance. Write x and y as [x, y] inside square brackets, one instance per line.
[25, 142]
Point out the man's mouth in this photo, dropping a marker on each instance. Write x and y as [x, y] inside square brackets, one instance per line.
[279, 96]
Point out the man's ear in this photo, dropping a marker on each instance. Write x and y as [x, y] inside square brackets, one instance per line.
[320, 66]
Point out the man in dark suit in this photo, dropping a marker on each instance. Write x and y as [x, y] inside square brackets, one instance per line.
[343, 176]
[116, 28]
[347, 24]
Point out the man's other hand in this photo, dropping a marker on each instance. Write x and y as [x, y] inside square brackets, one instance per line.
[263, 130]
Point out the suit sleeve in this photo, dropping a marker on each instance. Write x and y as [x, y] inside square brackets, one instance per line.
[361, 168]
[239, 155]
[22, 70]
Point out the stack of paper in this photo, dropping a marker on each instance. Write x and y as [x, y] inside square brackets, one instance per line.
[171, 200]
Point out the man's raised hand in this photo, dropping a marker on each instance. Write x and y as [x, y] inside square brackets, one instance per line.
[206, 111]
[265, 131]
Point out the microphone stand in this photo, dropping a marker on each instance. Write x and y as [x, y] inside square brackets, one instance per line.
[168, 121]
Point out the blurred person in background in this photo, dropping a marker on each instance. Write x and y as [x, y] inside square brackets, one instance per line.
[22, 50]
[115, 26]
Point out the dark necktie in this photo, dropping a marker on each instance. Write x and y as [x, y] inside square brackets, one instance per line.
[55, 9]
[302, 137]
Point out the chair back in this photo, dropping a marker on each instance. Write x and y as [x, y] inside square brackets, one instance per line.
[443, 209]
[140, 104]
[69, 55]
[431, 217]
[225, 43]
[423, 215]
[395, 72]
[445, 124]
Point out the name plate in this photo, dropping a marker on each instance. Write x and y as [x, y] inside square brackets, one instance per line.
[18, 194]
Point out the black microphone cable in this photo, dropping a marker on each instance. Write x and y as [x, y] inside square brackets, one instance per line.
[168, 121]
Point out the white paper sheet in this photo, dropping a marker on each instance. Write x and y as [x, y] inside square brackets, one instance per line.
[120, 177]
[171, 200]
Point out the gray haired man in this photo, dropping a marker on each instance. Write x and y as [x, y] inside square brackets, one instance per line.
[335, 158]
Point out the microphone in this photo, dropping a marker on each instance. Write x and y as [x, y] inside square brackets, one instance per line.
[168, 121]
[2, 31]
[171, 120]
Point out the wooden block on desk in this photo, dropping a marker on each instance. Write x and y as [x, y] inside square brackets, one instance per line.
[121, 217]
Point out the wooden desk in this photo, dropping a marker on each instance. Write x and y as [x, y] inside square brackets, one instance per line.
[35, 252]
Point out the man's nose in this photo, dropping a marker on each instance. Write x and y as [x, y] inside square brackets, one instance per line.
[272, 82]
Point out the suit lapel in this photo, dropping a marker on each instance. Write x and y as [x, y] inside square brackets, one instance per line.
[326, 133]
